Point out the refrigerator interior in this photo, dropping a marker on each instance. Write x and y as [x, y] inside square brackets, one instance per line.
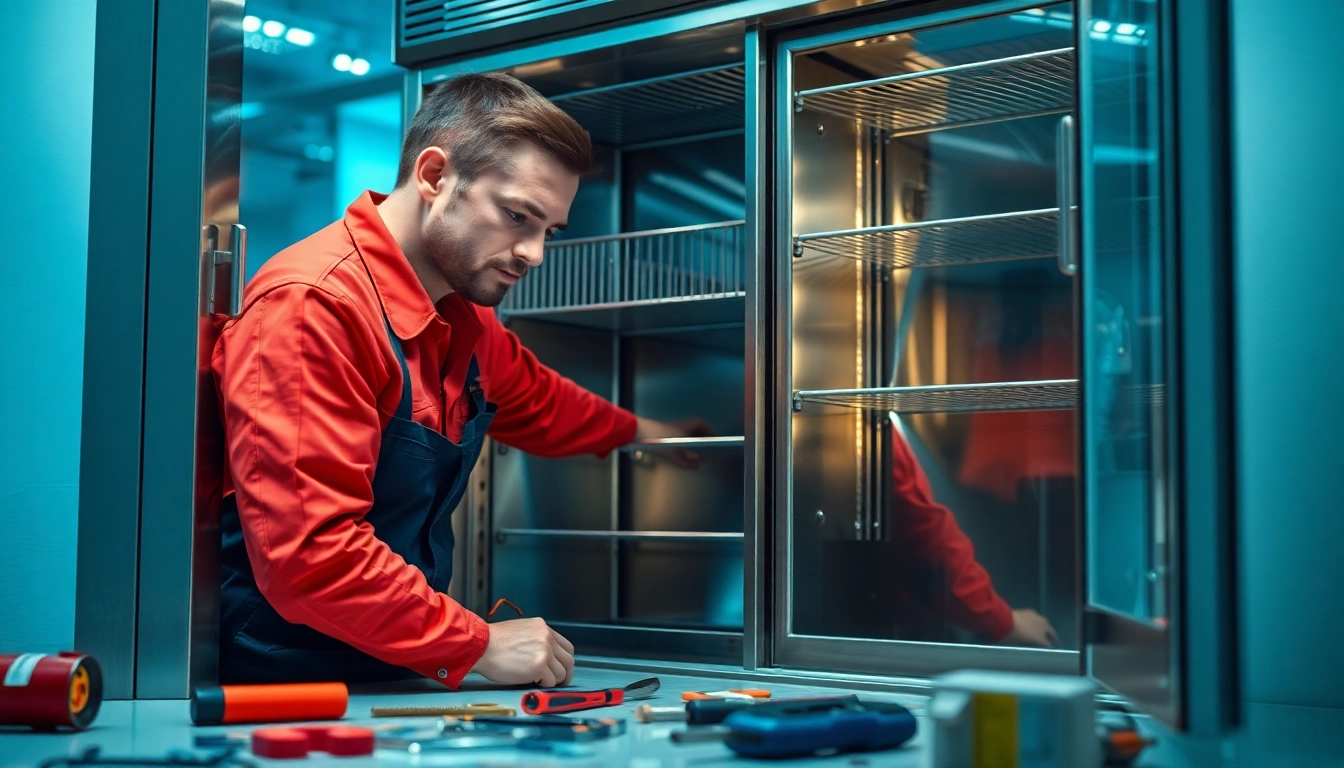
[924, 212]
[642, 302]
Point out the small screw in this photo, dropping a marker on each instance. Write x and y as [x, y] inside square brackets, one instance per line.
[821, 129]
[821, 516]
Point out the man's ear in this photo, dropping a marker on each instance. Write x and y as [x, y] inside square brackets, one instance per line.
[434, 173]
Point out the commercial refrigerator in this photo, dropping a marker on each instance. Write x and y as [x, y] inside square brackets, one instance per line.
[902, 256]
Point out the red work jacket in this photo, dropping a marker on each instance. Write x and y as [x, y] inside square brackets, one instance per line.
[308, 380]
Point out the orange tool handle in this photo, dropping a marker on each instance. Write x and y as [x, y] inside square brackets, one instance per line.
[232, 704]
[550, 702]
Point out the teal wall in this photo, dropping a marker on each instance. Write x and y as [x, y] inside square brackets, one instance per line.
[46, 55]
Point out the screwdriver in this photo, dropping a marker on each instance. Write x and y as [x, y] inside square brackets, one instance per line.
[715, 711]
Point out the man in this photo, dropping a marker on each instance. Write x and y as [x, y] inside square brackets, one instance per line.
[356, 389]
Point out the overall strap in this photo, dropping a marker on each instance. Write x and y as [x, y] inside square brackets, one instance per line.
[404, 407]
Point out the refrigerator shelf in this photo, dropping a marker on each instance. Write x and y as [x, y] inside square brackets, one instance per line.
[953, 97]
[1055, 395]
[944, 243]
[674, 106]
[684, 276]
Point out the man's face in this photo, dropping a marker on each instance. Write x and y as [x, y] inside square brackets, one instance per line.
[485, 238]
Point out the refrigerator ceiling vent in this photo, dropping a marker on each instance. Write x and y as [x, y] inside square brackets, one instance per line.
[435, 29]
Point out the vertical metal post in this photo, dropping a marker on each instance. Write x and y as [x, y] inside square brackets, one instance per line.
[756, 270]
[110, 462]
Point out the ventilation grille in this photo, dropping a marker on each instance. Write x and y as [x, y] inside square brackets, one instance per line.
[424, 21]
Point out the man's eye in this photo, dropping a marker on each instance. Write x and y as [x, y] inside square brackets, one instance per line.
[517, 217]
[550, 234]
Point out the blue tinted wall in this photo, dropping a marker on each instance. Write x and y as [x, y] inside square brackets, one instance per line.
[46, 55]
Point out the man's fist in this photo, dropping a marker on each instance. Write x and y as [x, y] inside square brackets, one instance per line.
[526, 652]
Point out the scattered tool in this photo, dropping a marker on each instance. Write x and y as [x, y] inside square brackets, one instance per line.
[50, 691]
[803, 728]
[563, 736]
[715, 711]
[431, 711]
[1121, 742]
[280, 703]
[550, 702]
[290, 743]
[736, 693]
[177, 757]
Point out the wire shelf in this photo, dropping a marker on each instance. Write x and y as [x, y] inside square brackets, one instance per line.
[687, 104]
[944, 243]
[1055, 395]
[681, 276]
[951, 97]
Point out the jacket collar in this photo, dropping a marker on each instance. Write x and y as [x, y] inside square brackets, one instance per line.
[404, 299]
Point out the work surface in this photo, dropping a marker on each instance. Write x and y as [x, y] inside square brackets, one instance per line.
[150, 728]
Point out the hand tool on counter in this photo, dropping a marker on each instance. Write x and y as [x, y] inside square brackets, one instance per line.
[715, 711]
[736, 693]
[454, 711]
[1121, 741]
[276, 703]
[565, 736]
[551, 702]
[801, 729]
[62, 690]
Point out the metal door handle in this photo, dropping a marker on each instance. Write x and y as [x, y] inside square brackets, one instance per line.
[1066, 179]
[234, 259]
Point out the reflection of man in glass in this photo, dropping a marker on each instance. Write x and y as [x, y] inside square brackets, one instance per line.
[944, 576]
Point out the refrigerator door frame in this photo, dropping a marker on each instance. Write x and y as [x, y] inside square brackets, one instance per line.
[888, 658]
[1154, 666]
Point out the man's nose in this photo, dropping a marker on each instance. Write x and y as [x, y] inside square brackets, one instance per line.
[532, 250]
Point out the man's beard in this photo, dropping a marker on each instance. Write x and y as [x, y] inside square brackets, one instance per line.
[452, 255]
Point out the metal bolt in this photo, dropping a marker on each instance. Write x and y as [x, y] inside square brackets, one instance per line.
[821, 129]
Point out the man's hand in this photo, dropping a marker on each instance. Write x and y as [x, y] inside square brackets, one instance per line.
[648, 429]
[526, 652]
[1031, 629]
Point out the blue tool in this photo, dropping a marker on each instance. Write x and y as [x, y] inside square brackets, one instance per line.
[805, 728]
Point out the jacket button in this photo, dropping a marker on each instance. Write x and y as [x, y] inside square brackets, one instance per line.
[443, 674]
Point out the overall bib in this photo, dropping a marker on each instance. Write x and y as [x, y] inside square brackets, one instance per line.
[420, 479]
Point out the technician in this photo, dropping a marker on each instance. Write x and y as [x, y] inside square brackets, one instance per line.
[357, 387]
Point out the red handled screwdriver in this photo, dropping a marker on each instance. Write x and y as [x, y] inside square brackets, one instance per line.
[552, 702]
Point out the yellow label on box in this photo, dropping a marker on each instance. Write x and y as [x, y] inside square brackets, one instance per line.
[994, 733]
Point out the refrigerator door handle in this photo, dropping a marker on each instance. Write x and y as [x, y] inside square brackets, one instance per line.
[1066, 178]
[234, 259]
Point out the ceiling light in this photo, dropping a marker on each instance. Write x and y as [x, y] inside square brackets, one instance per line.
[359, 67]
[273, 29]
[1126, 28]
[1101, 26]
[251, 23]
[301, 37]
[341, 63]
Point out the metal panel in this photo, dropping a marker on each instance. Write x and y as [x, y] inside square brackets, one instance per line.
[196, 162]
[114, 338]
[757, 395]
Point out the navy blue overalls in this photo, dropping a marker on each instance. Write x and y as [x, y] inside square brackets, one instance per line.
[420, 478]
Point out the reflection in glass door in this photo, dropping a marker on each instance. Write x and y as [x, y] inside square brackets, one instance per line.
[1124, 311]
[932, 472]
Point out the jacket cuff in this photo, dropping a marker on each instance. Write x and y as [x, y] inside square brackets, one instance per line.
[999, 621]
[623, 433]
[451, 673]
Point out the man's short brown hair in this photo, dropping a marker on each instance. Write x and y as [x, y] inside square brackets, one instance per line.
[478, 118]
